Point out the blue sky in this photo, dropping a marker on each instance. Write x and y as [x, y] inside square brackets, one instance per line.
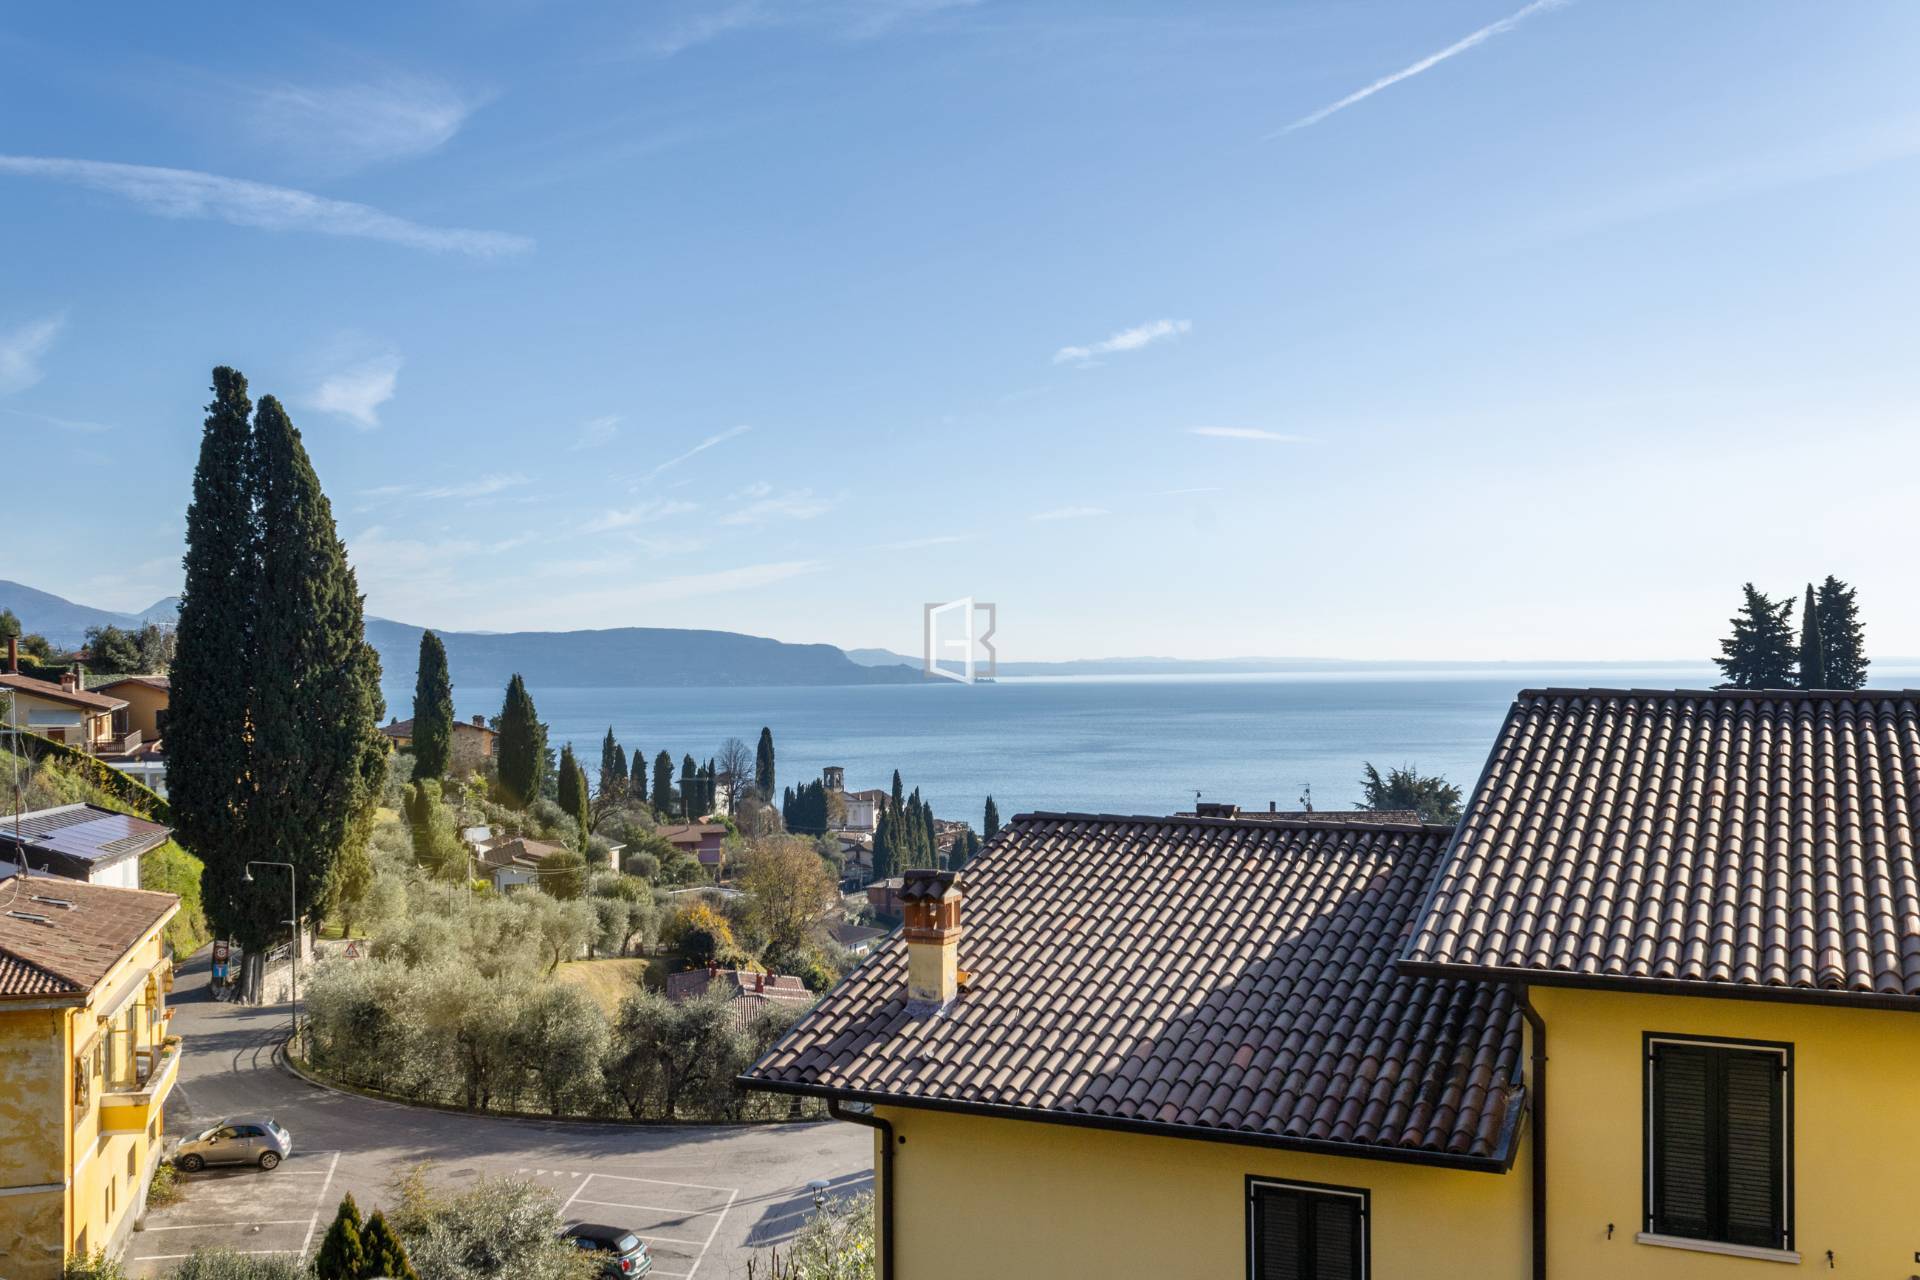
[1438, 329]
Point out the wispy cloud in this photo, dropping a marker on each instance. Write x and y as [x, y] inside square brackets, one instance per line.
[76, 425]
[937, 540]
[596, 432]
[642, 513]
[21, 349]
[1126, 340]
[341, 128]
[478, 487]
[848, 19]
[723, 580]
[188, 193]
[1427, 63]
[357, 391]
[798, 504]
[1246, 433]
[1070, 513]
[700, 448]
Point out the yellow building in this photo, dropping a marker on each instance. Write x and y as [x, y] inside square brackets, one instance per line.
[1649, 1011]
[86, 1064]
[148, 699]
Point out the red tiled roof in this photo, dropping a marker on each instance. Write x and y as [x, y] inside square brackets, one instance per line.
[163, 683]
[1196, 976]
[53, 692]
[60, 937]
[1697, 841]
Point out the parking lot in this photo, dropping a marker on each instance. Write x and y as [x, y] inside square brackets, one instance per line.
[678, 1220]
[285, 1211]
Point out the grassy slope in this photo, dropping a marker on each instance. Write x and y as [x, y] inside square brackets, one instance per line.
[607, 981]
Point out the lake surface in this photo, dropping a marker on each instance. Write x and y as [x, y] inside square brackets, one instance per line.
[1113, 745]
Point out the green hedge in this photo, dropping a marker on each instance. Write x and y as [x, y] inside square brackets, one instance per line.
[171, 869]
[142, 800]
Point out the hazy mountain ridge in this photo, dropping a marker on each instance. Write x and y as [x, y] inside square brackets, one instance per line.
[65, 623]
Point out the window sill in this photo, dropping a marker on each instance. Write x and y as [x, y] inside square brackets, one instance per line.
[1715, 1246]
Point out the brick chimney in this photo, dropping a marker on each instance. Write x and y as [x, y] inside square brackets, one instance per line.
[13, 655]
[930, 901]
[70, 681]
[479, 722]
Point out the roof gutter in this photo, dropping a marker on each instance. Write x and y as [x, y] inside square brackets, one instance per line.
[1537, 1095]
[1497, 1162]
[884, 1174]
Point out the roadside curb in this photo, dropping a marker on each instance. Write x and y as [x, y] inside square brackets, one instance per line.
[287, 1063]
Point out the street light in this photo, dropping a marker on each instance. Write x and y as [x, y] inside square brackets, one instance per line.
[293, 911]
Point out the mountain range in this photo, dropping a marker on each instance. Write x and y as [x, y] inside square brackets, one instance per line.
[620, 657]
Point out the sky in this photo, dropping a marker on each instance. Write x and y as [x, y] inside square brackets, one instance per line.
[1373, 330]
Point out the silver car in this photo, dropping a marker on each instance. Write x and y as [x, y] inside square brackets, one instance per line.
[241, 1140]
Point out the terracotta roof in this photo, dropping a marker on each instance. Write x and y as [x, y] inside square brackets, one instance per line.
[1714, 842]
[509, 851]
[1361, 817]
[734, 983]
[1202, 977]
[54, 693]
[694, 829]
[398, 728]
[60, 937]
[162, 683]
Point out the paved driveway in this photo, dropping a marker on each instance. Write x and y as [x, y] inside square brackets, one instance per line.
[705, 1196]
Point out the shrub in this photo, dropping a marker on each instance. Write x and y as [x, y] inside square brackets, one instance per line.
[171, 869]
[496, 1227]
[558, 1039]
[836, 1244]
[226, 1264]
[164, 1188]
[98, 1265]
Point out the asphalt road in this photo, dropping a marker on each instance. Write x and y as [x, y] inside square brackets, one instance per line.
[707, 1196]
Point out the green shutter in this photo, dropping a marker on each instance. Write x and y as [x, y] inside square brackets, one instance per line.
[1300, 1234]
[1716, 1144]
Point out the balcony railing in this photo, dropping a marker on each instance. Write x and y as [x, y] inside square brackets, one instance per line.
[118, 744]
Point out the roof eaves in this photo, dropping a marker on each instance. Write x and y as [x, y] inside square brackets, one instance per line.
[1499, 1161]
[1660, 986]
[1190, 820]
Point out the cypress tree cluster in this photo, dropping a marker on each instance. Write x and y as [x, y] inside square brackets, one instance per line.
[905, 836]
[432, 710]
[1762, 652]
[804, 812]
[613, 766]
[352, 1250]
[274, 716]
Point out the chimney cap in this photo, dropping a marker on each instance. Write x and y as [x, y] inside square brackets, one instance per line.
[925, 884]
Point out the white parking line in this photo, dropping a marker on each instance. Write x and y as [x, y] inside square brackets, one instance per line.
[175, 1257]
[318, 1203]
[697, 1186]
[731, 1195]
[649, 1208]
[215, 1226]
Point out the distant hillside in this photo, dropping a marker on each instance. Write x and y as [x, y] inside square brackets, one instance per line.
[65, 623]
[624, 657]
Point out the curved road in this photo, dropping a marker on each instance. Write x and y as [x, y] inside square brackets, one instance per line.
[705, 1196]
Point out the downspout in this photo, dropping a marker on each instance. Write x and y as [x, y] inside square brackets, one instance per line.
[884, 1174]
[1537, 1089]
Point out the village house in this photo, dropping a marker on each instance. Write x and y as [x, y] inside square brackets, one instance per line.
[704, 841]
[1318, 1048]
[747, 994]
[512, 862]
[79, 842]
[64, 711]
[89, 1066]
[473, 740]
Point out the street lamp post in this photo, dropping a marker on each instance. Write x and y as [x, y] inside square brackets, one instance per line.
[293, 921]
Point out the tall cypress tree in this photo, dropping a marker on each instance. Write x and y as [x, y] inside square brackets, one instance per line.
[618, 778]
[899, 795]
[1813, 662]
[637, 780]
[1842, 640]
[318, 758]
[763, 775]
[990, 820]
[573, 788]
[432, 710]
[885, 859]
[209, 783]
[689, 789]
[520, 746]
[663, 784]
[1760, 652]
[609, 746]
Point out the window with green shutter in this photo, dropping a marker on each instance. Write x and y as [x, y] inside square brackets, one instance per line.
[1303, 1231]
[1719, 1141]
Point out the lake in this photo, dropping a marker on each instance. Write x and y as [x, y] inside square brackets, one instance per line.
[1112, 745]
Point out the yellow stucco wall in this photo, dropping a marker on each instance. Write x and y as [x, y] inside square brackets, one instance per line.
[143, 702]
[95, 1176]
[1856, 1133]
[1004, 1197]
